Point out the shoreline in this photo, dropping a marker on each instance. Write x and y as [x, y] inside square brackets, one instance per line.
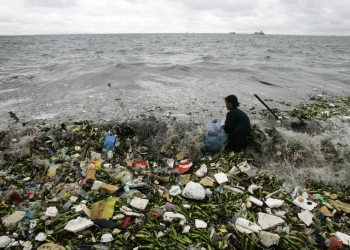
[272, 142]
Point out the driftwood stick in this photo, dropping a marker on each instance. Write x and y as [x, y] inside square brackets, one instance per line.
[266, 106]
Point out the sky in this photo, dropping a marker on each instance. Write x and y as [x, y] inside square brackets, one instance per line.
[289, 17]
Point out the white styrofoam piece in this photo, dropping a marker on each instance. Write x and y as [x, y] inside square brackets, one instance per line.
[79, 207]
[246, 226]
[73, 198]
[194, 191]
[252, 188]
[306, 217]
[106, 238]
[175, 190]
[170, 216]
[345, 238]
[10, 221]
[273, 203]
[200, 224]
[268, 239]
[186, 229]
[203, 170]
[4, 241]
[32, 224]
[40, 237]
[78, 224]
[244, 166]
[27, 245]
[255, 201]
[234, 170]
[267, 221]
[51, 211]
[280, 213]
[221, 178]
[233, 189]
[304, 203]
[139, 203]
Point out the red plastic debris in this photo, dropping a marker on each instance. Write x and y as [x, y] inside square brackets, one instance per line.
[334, 243]
[184, 166]
[156, 214]
[141, 164]
[126, 222]
[16, 198]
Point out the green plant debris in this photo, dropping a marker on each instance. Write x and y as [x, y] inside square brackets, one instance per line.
[322, 108]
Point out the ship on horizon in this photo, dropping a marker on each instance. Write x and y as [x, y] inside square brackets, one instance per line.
[232, 32]
[259, 33]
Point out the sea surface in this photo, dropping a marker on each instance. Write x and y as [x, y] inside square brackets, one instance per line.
[68, 78]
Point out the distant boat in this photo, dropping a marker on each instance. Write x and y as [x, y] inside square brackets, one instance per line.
[232, 32]
[259, 33]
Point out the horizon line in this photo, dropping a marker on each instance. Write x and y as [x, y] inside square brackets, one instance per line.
[132, 33]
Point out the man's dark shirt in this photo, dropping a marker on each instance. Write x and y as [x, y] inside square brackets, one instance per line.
[237, 124]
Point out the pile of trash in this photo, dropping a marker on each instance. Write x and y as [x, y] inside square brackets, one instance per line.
[102, 186]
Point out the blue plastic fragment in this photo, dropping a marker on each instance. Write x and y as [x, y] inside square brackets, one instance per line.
[108, 144]
[320, 216]
[28, 216]
[85, 246]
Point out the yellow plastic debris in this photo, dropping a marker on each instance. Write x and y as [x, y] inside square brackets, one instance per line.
[103, 209]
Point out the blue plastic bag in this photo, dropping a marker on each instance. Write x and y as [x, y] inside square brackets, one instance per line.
[215, 138]
[108, 143]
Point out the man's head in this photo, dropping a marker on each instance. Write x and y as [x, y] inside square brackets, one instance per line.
[231, 102]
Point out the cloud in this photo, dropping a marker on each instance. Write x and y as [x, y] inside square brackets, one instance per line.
[50, 3]
[315, 17]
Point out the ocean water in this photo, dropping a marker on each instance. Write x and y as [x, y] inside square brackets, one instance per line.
[60, 78]
[67, 76]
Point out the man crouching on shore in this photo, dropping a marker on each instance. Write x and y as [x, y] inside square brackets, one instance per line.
[237, 125]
